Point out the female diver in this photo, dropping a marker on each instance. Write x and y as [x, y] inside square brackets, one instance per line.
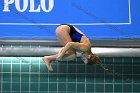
[73, 40]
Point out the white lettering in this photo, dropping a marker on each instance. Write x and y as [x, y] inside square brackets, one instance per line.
[32, 8]
[25, 5]
[6, 5]
[51, 5]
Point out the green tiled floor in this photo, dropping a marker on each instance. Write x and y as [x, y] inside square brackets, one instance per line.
[29, 74]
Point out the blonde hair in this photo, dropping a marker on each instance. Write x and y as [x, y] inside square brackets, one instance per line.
[94, 59]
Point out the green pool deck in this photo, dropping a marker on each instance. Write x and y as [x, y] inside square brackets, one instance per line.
[30, 75]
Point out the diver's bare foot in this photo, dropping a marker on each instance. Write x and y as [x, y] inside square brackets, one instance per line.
[48, 64]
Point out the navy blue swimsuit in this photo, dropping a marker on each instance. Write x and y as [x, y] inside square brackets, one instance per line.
[75, 36]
